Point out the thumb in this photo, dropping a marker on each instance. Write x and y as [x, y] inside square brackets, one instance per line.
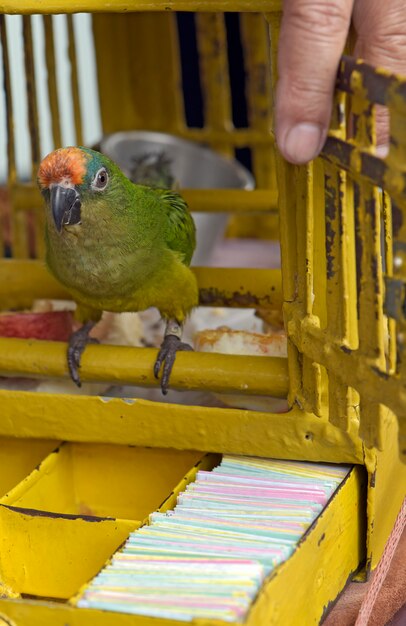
[312, 39]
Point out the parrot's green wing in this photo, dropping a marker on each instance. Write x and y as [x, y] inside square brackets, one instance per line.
[181, 231]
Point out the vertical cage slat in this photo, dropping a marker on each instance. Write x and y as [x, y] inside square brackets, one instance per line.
[140, 45]
[52, 84]
[399, 272]
[335, 195]
[349, 279]
[255, 40]
[305, 230]
[339, 399]
[286, 191]
[388, 252]
[341, 292]
[340, 249]
[39, 236]
[312, 389]
[212, 47]
[19, 232]
[369, 268]
[368, 232]
[11, 158]
[116, 28]
[178, 108]
[311, 373]
[336, 199]
[256, 46]
[3, 220]
[295, 367]
[318, 238]
[77, 116]
[33, 119]
[288, 238]
[371, 423]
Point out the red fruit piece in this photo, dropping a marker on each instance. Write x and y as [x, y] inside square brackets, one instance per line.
[54, 325]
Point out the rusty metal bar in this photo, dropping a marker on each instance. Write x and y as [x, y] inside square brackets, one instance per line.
[337, 300]
[239, 287]
[357, 77]
[23, 281]
[340, 297]
[369, 273]
[212, 47]
[364, 166]
[336, 198]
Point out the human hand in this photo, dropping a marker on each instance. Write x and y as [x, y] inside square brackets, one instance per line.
[312, 39]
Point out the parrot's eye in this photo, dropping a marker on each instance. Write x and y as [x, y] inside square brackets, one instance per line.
[101, 179]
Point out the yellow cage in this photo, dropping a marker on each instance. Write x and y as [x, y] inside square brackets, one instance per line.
[341, 286]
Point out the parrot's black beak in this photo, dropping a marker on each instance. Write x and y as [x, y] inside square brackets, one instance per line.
[65, 205]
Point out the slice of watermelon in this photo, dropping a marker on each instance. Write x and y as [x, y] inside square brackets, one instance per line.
[53, 325]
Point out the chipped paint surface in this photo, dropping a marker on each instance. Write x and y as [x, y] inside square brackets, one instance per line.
[332, 210]
[381, 285]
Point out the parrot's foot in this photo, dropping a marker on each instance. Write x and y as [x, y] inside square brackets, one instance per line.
[166, 357]
[77, 343]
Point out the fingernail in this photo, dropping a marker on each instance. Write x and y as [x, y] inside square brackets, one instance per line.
[303, 142]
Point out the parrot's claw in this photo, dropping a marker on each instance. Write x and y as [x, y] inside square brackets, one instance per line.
[166, 357]
[77, 343]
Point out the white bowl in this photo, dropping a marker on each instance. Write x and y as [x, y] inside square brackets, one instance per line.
[193, 166]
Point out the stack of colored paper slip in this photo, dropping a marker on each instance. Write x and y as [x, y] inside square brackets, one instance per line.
[209, 556]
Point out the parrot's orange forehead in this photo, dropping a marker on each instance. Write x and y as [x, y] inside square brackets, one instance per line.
[66, 164]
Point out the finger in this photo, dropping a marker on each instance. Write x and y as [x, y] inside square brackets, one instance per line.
[381, 41]
[312, 39]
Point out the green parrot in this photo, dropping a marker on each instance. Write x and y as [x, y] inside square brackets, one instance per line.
[117, 246]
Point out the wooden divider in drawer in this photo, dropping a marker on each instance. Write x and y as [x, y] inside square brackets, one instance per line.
[60, 524]
[297, 593]
[18, 458]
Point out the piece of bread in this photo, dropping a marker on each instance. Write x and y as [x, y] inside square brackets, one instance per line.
[226, 341]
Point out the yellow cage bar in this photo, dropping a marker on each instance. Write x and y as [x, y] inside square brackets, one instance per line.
[341, 284]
